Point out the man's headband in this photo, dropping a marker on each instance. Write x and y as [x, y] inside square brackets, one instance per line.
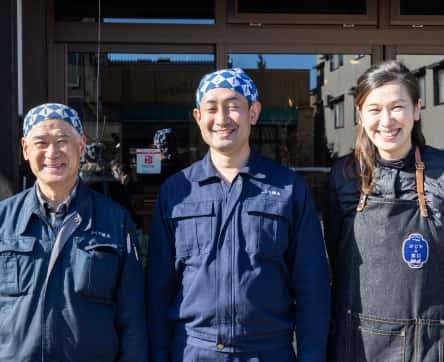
[51, 111]
[235, 79]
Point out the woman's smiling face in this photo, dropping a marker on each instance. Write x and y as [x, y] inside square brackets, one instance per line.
[388, 115]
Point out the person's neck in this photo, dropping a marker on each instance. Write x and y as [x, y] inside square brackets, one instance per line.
[228, 165]
[55, 195]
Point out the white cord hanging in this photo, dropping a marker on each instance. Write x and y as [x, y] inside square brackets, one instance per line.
[99, 39]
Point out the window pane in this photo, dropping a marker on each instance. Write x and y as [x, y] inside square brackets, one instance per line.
[73, 70]
[303, 6]
[339, 112]
[301, 88]
[336, 60]
[441, 85]
[284, 82]
[299, 125]
[422, 90]
[432, 90]
[135, 11]
[139, 95]
[426, 7]
[337, 95]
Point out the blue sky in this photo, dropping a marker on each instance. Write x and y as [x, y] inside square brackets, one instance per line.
[278, 61]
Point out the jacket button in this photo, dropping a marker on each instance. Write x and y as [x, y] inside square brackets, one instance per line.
[220, 346]
[77, 219]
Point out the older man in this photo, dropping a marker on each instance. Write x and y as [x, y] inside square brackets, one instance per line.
[237, 260]
[71, 287]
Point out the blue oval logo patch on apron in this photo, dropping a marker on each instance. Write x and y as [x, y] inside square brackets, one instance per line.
[415, 251]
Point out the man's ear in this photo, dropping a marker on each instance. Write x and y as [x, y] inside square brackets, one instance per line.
[82, 144]
[25, 149]
[254, 112]
[196, 115]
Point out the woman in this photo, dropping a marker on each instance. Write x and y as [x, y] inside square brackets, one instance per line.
[384, 229]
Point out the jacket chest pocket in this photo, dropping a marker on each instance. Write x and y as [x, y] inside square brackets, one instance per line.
[16, 266]
[265, 225]
[96, 269]
[192, 224]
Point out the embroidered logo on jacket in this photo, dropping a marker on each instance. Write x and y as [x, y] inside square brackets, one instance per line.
[102, 234]
[271, 192]
[415, 251]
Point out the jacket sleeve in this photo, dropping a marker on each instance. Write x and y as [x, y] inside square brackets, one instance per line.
[310, 278]
[332, 222]
[130, 308]
[161, 284]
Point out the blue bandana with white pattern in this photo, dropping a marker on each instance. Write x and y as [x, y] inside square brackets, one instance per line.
[235, 79]
[51, 111]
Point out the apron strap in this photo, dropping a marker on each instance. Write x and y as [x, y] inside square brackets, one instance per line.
[419, 187]
[362, 202]
[420, 182]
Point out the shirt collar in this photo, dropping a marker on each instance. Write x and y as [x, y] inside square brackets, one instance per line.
[205, 170]
[253, 166]
[405, 163]
[80, 201]
[60, 208]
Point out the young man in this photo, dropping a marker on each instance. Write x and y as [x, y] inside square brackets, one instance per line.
[71, 288]
[237, 259]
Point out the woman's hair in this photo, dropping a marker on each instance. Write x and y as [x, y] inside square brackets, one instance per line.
[375, 77]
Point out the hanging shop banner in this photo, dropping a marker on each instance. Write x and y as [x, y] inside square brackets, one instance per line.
[148, 160]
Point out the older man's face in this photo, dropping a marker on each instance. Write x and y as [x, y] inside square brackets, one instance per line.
[53, 149]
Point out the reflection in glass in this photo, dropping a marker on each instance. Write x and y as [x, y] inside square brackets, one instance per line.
[424, 7]
[139, 95]
[179, 21]
[134, 11]
[303, 6]
[439, 85]
[337, 93]
[149, 89]
[336, 61]
[284, 82]
[161, 58]
[338, 111]
[421, 77]
[319, 90]
[430, 72]
[308, 113]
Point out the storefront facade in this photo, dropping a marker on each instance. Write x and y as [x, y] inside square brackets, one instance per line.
[131, 70]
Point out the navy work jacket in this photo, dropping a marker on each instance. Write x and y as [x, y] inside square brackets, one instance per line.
[239, 267]
[76, 296]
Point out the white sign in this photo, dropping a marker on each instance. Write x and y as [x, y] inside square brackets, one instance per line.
[148, 160]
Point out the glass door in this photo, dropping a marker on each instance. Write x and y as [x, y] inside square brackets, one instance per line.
[308, 117]
[137, 113]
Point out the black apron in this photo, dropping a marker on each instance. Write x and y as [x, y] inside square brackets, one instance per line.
[390, 293]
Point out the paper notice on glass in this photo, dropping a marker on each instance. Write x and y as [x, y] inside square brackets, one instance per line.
[148, 160]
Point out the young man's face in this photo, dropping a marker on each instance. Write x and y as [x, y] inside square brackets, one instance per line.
[53, 149]
[225, 119]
